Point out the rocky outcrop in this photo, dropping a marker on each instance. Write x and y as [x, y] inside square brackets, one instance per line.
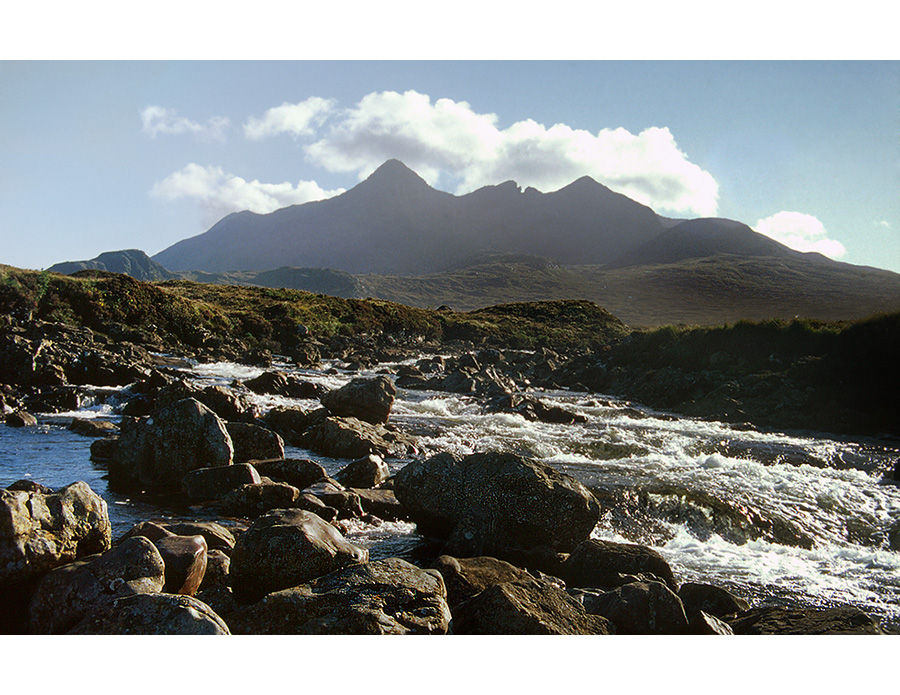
[68, 593]
[285, 548]
[349, 438]
[301, 473]
[212, 483]
[466, 577]
[526, 607]
[158, 450]
[369, 400]
[383, 597]
[281, 384]
[484, 502]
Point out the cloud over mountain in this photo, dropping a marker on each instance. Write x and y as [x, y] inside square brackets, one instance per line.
[448, 141]
[157, 120]
[801, 232]
[220, 193]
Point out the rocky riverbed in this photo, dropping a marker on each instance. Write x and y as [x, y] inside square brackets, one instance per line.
[360, 486]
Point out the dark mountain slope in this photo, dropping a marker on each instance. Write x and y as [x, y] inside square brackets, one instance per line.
[131, 262]
[395, 223]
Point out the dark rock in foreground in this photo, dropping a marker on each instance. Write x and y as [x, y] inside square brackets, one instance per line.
[526, 607]
[383, 597]
[844, 620]
[152, 614]
[285, 548]
[640, 608]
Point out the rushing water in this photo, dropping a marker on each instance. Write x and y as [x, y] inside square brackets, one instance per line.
[774, 517]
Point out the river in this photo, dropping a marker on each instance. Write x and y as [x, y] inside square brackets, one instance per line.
[788, 518]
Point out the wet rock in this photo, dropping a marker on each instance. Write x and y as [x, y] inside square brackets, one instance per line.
[526, 607]
[287, 385]
[491, 500]
[103, 450]
[712, 600]
[301, 473]
[349, 438]
[213, 483]
[534, 410]
[383, 597]
[466, 577]
[152, 614]
[640, 608]
[290, 423]
[775, 620]
[217, 536]
[150, 530]
[381, 503]
[157, 451]
[218, 565]
[253, 500]
[346, 503]
[313, 504]
[894, 536]
[703, 623]
[252, 442]
[39, 532]
[93, 428]
[607, 565]
[369, 471]
[369, 400]
[68, 593]
[286, 548]
[185, 559]
[228, 405]
[21, 418]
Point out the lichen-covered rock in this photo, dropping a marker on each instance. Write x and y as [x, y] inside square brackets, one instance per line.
[252, 442]
[286, 548]
[369, 400]
[640, 608]
[40, 531]
[369, 471]
[526, 607]
[157, 451]
[68, 593]
[485, 502]
[382, 597]
[606, 565]
[212, 483]
[152, 614]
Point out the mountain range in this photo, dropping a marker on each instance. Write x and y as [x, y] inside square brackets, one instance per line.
[395, 237]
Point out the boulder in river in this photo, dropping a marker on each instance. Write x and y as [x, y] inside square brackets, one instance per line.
[640, 608]
[369, 400]
[607, 565]
[286, 548]
[484, 502]
[382, 597]
[366, 472]
[157, 451]
[777, 620]
[252, 442]
[212, 483]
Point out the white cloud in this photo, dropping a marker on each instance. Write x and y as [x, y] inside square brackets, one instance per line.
[156, 120]
[883, 223]
[800, 232]
[295, 119]
[221, 193]
[448, 138]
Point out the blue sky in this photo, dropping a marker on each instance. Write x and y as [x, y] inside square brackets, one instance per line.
[99, 156]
